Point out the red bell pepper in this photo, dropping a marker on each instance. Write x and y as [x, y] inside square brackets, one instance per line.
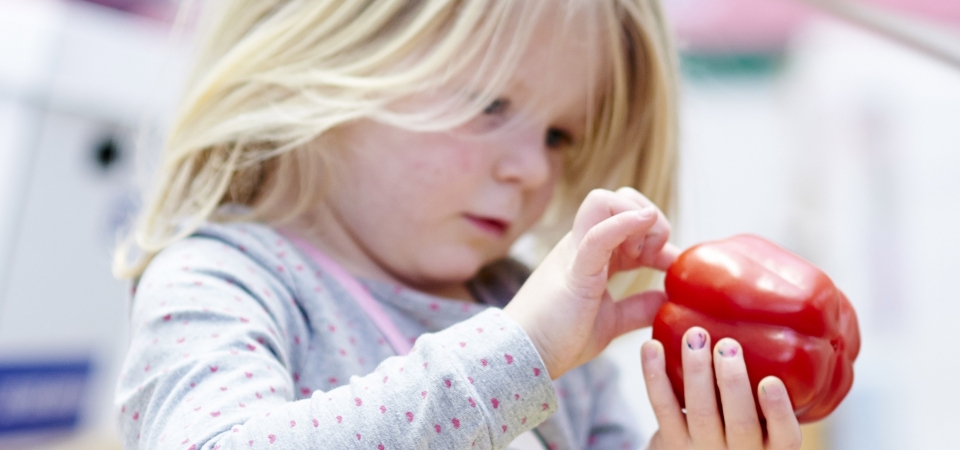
[788, 316]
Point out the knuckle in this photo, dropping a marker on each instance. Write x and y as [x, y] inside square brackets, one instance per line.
[732, 380]
[742, 426]
[629, 192]
[696, 369]
[597, 194]
[659, 403]
[780, 414]
[664, 225]
[796, 442]
[590, 240]
[657, 237]
[701, 417]
[792, 442]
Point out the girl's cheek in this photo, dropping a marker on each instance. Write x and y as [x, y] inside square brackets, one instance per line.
[422, 167]
[447, 163]
[465, 160]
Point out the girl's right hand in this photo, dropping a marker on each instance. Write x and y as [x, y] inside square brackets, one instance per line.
[564, 306]
[702, 427]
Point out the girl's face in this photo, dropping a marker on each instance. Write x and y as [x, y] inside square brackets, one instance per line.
[428, 210]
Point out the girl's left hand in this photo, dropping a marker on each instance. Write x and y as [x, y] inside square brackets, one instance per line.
[564, 306]
[734, 423]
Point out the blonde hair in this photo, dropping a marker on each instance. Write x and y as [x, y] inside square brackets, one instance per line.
[275, 76]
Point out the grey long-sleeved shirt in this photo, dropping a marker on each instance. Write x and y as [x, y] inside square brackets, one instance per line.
[240, 341]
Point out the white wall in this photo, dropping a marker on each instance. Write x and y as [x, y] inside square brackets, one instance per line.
[71, 76]
[850, 156]
[877, 128]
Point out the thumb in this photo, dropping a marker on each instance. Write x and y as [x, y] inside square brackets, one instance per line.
[637, 311]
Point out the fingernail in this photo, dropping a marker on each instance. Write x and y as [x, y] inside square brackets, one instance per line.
[645, 212]
[650, 352]
[728, 348]
[772, 389]
[696, 340]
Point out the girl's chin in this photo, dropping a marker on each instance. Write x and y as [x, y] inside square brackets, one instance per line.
[457, 264]
[438, 273]
[447, 268]
[449, 276]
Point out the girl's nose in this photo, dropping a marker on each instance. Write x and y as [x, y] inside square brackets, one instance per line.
[525, 158]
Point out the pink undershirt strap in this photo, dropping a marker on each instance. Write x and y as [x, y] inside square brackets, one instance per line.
[359, 293]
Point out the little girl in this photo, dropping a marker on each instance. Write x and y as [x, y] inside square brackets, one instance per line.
[324, 261]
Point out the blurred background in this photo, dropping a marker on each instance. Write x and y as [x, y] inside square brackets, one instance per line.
[829, 126]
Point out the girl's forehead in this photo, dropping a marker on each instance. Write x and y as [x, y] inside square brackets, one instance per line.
[554, 63]
[563, 68]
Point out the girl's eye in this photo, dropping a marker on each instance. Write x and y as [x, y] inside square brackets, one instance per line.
[557, 138]
[498, 106]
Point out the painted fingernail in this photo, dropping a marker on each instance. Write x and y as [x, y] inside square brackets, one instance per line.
[772, 389]
[696, 340]
[728, 348]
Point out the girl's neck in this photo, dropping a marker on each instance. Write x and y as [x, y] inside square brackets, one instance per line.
[326, 234]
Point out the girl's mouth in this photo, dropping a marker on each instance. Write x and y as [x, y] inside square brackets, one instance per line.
[489, 225]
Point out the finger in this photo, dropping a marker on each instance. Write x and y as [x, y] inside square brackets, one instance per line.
[599, 205]
[653, 242]
[594, 250]
[652, 251]
[783, 430]
[673, 427]
[703, 418]
[636, 311]
[741, 423]
[635, 196]
[668, 254]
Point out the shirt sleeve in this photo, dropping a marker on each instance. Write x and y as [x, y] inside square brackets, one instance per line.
[613, 423]
[209, 367]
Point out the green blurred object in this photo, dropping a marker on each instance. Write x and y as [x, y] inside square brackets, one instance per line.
[698, 66]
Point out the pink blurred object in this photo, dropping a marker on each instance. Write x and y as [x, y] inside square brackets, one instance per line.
[160, 10]
[944, 11]
[718, 26]
[723, 26]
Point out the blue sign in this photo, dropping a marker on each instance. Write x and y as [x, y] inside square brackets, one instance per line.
[42, 396]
